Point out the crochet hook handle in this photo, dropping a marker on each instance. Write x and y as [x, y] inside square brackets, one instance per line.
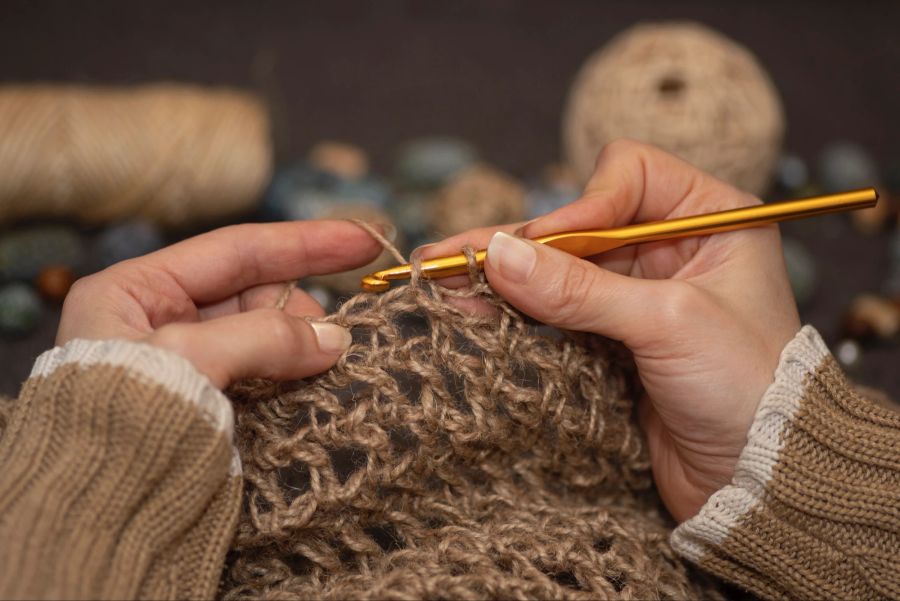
[591, 242]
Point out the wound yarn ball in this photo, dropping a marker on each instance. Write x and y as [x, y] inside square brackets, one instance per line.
[684, 88]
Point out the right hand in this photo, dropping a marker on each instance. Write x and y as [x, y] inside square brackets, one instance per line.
[706, 318]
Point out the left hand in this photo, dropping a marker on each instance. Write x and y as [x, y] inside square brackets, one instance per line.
[211, 299]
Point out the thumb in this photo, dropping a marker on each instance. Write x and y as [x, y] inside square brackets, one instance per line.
[265, 343]
[562, 290]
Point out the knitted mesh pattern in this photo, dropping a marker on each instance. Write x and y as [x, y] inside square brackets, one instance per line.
[449, 456]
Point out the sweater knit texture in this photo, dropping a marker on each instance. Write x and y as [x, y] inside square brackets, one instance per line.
[450, 456]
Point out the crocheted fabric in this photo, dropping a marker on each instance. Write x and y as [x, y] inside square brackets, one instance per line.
[450, 456]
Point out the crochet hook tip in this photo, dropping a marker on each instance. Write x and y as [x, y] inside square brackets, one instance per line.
[370, 283]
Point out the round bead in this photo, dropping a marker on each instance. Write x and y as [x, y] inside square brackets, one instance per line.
[24, 253]
[845, 166]
[431, 162]
[126, 241]
[801, 268]
[791, 173]
[54, 282]
[848, 353]
[343, 160]
[20, 309]
[872, 315]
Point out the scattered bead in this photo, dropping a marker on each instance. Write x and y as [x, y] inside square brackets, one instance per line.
[431, 162]
[791, 173]
[54, 282]
[871, 315]
[848, 353]
[126, 241]
[801, 268]
[343, 160]
[24, 253]
[20, 309]
[844, 166]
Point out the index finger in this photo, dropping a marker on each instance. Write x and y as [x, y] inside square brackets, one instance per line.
[635, 183]
[215, 265]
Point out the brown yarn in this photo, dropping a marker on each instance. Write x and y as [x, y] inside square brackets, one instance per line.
[684, 88]
[448, 455]
[478, 196]
[171, 153]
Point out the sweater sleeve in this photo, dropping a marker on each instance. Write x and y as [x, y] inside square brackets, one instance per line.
[118, 477]
[813, 511]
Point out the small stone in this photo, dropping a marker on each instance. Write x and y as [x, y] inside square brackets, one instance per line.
[24, 253]
[125, 241]
[848, 354]
[791, 173]
[479, 196]
[845, 166]
[408, 211]
[874, 220]
[871, 315]
[54, 282]
[431, 162]
[343, 160]
[801, 268]
[20, 309]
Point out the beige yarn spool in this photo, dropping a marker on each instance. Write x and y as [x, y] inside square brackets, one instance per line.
[174, 154]
[684, 88]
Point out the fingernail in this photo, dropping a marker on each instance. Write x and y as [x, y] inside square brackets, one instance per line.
[512, 257]
[332, 338]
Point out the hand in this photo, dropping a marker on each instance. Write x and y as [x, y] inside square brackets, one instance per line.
[211, 299]
[706, 318]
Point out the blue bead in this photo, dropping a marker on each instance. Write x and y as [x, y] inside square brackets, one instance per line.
[845, 166]
[791, 172]
[126, 241]
[24, 253]
[431, 162]
[801, 268]
[20, 309]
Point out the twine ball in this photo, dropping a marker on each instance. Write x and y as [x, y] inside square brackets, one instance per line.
[173, 154]
[478, 196]
[684, 88]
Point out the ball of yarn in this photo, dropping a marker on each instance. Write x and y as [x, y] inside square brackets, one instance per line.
[684, 88]
[173, 154]
[478, 196]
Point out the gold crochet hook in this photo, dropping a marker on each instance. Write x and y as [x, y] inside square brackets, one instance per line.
[585, 243]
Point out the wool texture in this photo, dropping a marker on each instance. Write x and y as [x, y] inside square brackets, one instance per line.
[451, 455]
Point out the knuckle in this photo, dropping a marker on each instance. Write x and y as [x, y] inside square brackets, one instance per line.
[571, 293]
[281, 330]
[679, 303]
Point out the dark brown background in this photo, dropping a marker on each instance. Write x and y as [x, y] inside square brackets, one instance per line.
[495, 72]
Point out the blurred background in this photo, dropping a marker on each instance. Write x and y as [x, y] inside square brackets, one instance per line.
[126, 126]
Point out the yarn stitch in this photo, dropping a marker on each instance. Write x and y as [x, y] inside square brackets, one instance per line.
[450, 455]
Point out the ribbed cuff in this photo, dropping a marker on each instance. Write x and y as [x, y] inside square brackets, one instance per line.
[799, 360]
[150, 364]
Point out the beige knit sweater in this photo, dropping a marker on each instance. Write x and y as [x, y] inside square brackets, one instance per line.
[119, 479]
